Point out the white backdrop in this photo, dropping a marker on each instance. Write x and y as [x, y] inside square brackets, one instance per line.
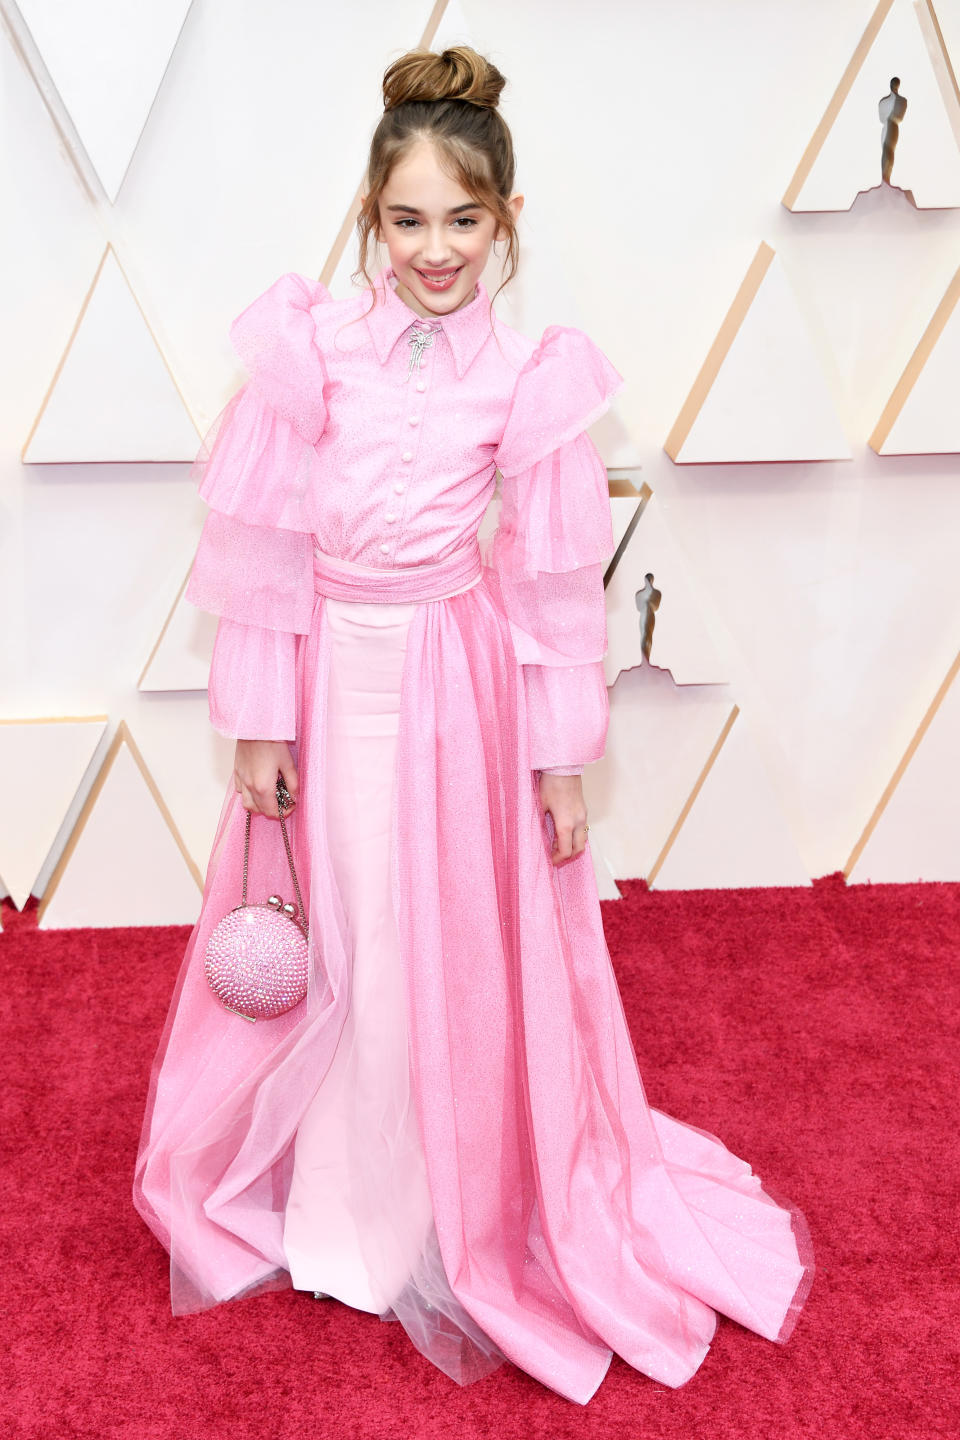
[654, 143]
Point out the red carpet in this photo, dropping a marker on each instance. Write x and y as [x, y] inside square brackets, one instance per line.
[813, 1030]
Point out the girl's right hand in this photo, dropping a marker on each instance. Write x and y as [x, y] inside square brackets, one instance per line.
[255, 775]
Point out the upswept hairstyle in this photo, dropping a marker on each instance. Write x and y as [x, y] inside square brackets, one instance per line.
[451, 100]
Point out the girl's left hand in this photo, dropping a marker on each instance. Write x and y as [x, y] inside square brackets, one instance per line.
[562, 795]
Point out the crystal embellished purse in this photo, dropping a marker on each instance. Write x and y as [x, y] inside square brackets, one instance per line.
[256, 959]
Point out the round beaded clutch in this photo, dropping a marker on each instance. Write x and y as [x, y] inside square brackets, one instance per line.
[256, 959]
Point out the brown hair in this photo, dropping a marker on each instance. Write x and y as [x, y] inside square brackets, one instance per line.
[451, 100]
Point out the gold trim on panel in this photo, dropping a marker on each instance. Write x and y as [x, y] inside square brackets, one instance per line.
[850, 74]
[944, 52]
[340, 243]
[66, 351]
[166, 625]
[30, 55]
[626, 489]
[28, 51]
[107, 250]
[123, 736]
[620, 487]
[678, 823]
[898, 774]
[915, 364]
[33, 720]
[52, 719]
[718, 351]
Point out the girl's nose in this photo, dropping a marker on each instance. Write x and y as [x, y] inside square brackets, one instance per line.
[436, 251]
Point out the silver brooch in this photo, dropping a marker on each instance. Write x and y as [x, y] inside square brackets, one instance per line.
[419, 340]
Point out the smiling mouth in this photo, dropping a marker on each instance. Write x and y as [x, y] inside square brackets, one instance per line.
[439, 276]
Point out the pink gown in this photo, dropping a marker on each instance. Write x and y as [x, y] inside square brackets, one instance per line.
[451, 1130]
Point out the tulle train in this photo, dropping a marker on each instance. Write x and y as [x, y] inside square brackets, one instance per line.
[569, 1219]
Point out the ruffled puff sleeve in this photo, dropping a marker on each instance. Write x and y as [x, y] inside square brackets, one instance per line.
[257, 471]
[553, 543]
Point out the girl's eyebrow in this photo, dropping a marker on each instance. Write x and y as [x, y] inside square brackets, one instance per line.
[470, 205]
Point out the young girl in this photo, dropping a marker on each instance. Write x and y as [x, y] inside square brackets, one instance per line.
[450, 1130]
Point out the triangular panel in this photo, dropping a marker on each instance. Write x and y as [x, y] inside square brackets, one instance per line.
[180, 660]
[42, 762]
[626, 502]
[660, 737]
[761, 394]
[845, 155]
[664, 609]
[112, 398]
[107, 61]
[922, 416]
[734, 831]
[125, 863]
[913, 833]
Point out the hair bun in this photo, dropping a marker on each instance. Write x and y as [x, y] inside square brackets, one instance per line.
[456, 74]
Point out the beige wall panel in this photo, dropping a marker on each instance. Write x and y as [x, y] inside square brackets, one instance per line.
[190, 763]
[902, 39]
[837, 631]
[42, 764]
[626, 502]
[761, 393]
[125, 863]
[914, 832]
[112, 397]
[735, 831]
[180, 659]
[922, 416]
[660, 737]
[106, 59]
[681, 638]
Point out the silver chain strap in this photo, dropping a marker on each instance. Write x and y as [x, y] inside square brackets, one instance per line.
[283, 800]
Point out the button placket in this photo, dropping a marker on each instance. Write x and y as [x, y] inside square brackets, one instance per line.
[394, 514]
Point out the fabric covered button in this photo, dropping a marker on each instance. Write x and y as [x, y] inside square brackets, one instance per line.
[385, 548]
[421, 385]
[399, 487]
[390, 518]
[407, 455]
[413, 419]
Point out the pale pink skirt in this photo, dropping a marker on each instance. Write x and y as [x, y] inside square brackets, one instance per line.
[488, 1050]
[349, 1219]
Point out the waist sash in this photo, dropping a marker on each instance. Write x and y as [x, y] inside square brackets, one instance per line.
[437, 580]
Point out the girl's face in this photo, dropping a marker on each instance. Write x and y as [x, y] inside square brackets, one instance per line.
[432, 228]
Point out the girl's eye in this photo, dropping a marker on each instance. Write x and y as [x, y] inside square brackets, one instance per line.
[410, 220]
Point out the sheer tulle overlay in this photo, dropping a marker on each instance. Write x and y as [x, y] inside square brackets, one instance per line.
[451, 1130]
[569, 1219]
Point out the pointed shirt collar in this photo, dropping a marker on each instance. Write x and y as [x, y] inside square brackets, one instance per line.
[390, 317]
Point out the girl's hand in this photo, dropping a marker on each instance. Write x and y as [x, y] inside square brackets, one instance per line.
[562, 795]
[255, 775]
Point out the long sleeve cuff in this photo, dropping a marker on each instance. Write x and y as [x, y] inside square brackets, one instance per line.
[252, 686]
[568, 712]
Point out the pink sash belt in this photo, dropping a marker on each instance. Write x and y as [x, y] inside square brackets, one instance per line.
[437, 580]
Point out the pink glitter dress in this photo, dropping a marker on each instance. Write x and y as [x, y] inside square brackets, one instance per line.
[451, 1131]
